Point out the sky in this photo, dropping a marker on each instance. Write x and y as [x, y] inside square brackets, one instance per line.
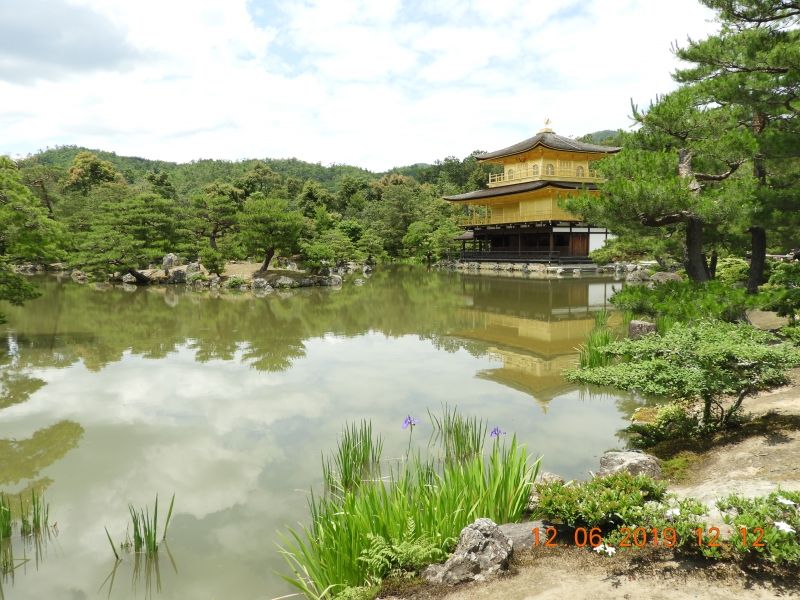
[373, 83]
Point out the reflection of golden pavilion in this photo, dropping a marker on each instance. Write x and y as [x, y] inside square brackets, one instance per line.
[537, 345]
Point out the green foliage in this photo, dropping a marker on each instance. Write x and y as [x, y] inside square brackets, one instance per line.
[14, 288]
[267, 226]
[439, 499]
[732, 270]
[684, 301]
[772, 513]
[603, 502]
[702, 361]
[673, 421]
[791, 334]
[143, 537]
[601, 335]
[460, 438]
[631, 248]
[357, 458]
[213, 260]
[782, 294]
[235, 282]
[400, 556]
[87, 171]
[331, 248]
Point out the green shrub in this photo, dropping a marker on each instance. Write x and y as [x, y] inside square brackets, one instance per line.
[782, 294]
[603, 502]
[196, 277]
[777, 514]
[684, 301]
[791, 334]
[704, 362]
[732, 270]
[628, 249]
[212, 260]
[673, 421]
[235, 282]
[402, 556]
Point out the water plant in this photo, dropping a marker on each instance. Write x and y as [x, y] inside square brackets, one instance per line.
[590, 353]
[439, 497]
[34, 515]
[459, 437]
[357, 457]
[143, 537]
[5, 518]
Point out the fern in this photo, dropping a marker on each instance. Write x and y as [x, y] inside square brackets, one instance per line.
[400, 557]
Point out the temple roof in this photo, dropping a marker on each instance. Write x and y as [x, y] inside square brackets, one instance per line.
[516, 188]
[548, 139]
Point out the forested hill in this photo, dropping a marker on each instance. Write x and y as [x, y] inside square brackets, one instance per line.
[187, 177]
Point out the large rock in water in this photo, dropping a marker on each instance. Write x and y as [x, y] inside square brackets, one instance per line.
[128, 278]
[635, 463]
[482, 551]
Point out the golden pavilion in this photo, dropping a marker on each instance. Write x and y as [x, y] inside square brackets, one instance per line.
[518, 218]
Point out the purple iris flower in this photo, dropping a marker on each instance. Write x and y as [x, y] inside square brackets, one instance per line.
[497, 432]
[409, 420]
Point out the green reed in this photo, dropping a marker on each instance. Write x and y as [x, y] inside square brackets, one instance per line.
[33, 515]
[459, 437]
[357, 458]
[6, 519]
[441, 497]
[590, 353]
[143, 536]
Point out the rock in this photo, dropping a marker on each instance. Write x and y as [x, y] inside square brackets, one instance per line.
[260, 284]
[169, 261]
[637, 276]
[331, 281]
[576, 271]
[482, 551]
[629, 461]
[366, 270]
[521, 534]
[284, 282]
[637, 329]
[306, 282]
[177, 276]
[545, 477]
[663, 277]
[128, 278]
[78, 276]
[358, 281]
[193, 267]
[57, 267]
[560, 271]
[214, 281]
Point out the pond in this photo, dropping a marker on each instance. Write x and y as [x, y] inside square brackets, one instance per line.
[111, 396]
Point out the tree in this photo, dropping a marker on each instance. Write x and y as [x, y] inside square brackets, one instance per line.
[312, 197]
[26, 233]
[679, 170]
[127, 234]
[261, 179]
[161, 184]
[217, 210]
[268, 226]
[87, 171]
[753, 65]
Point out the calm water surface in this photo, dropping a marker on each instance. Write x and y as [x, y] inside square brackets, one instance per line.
[111, 396]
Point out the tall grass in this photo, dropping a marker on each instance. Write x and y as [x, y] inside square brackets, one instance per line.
[143, 537]
[590, 353]
[34, 515]
[440, 497]
[5, 518]
[459, 437]
[357, 458]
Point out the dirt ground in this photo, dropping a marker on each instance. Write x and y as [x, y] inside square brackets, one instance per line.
[765, 457]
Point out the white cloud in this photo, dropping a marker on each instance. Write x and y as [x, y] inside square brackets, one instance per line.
[377, 84]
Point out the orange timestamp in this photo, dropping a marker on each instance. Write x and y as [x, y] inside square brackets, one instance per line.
[639, 537]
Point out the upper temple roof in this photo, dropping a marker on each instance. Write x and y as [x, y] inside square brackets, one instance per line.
[548, 139]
